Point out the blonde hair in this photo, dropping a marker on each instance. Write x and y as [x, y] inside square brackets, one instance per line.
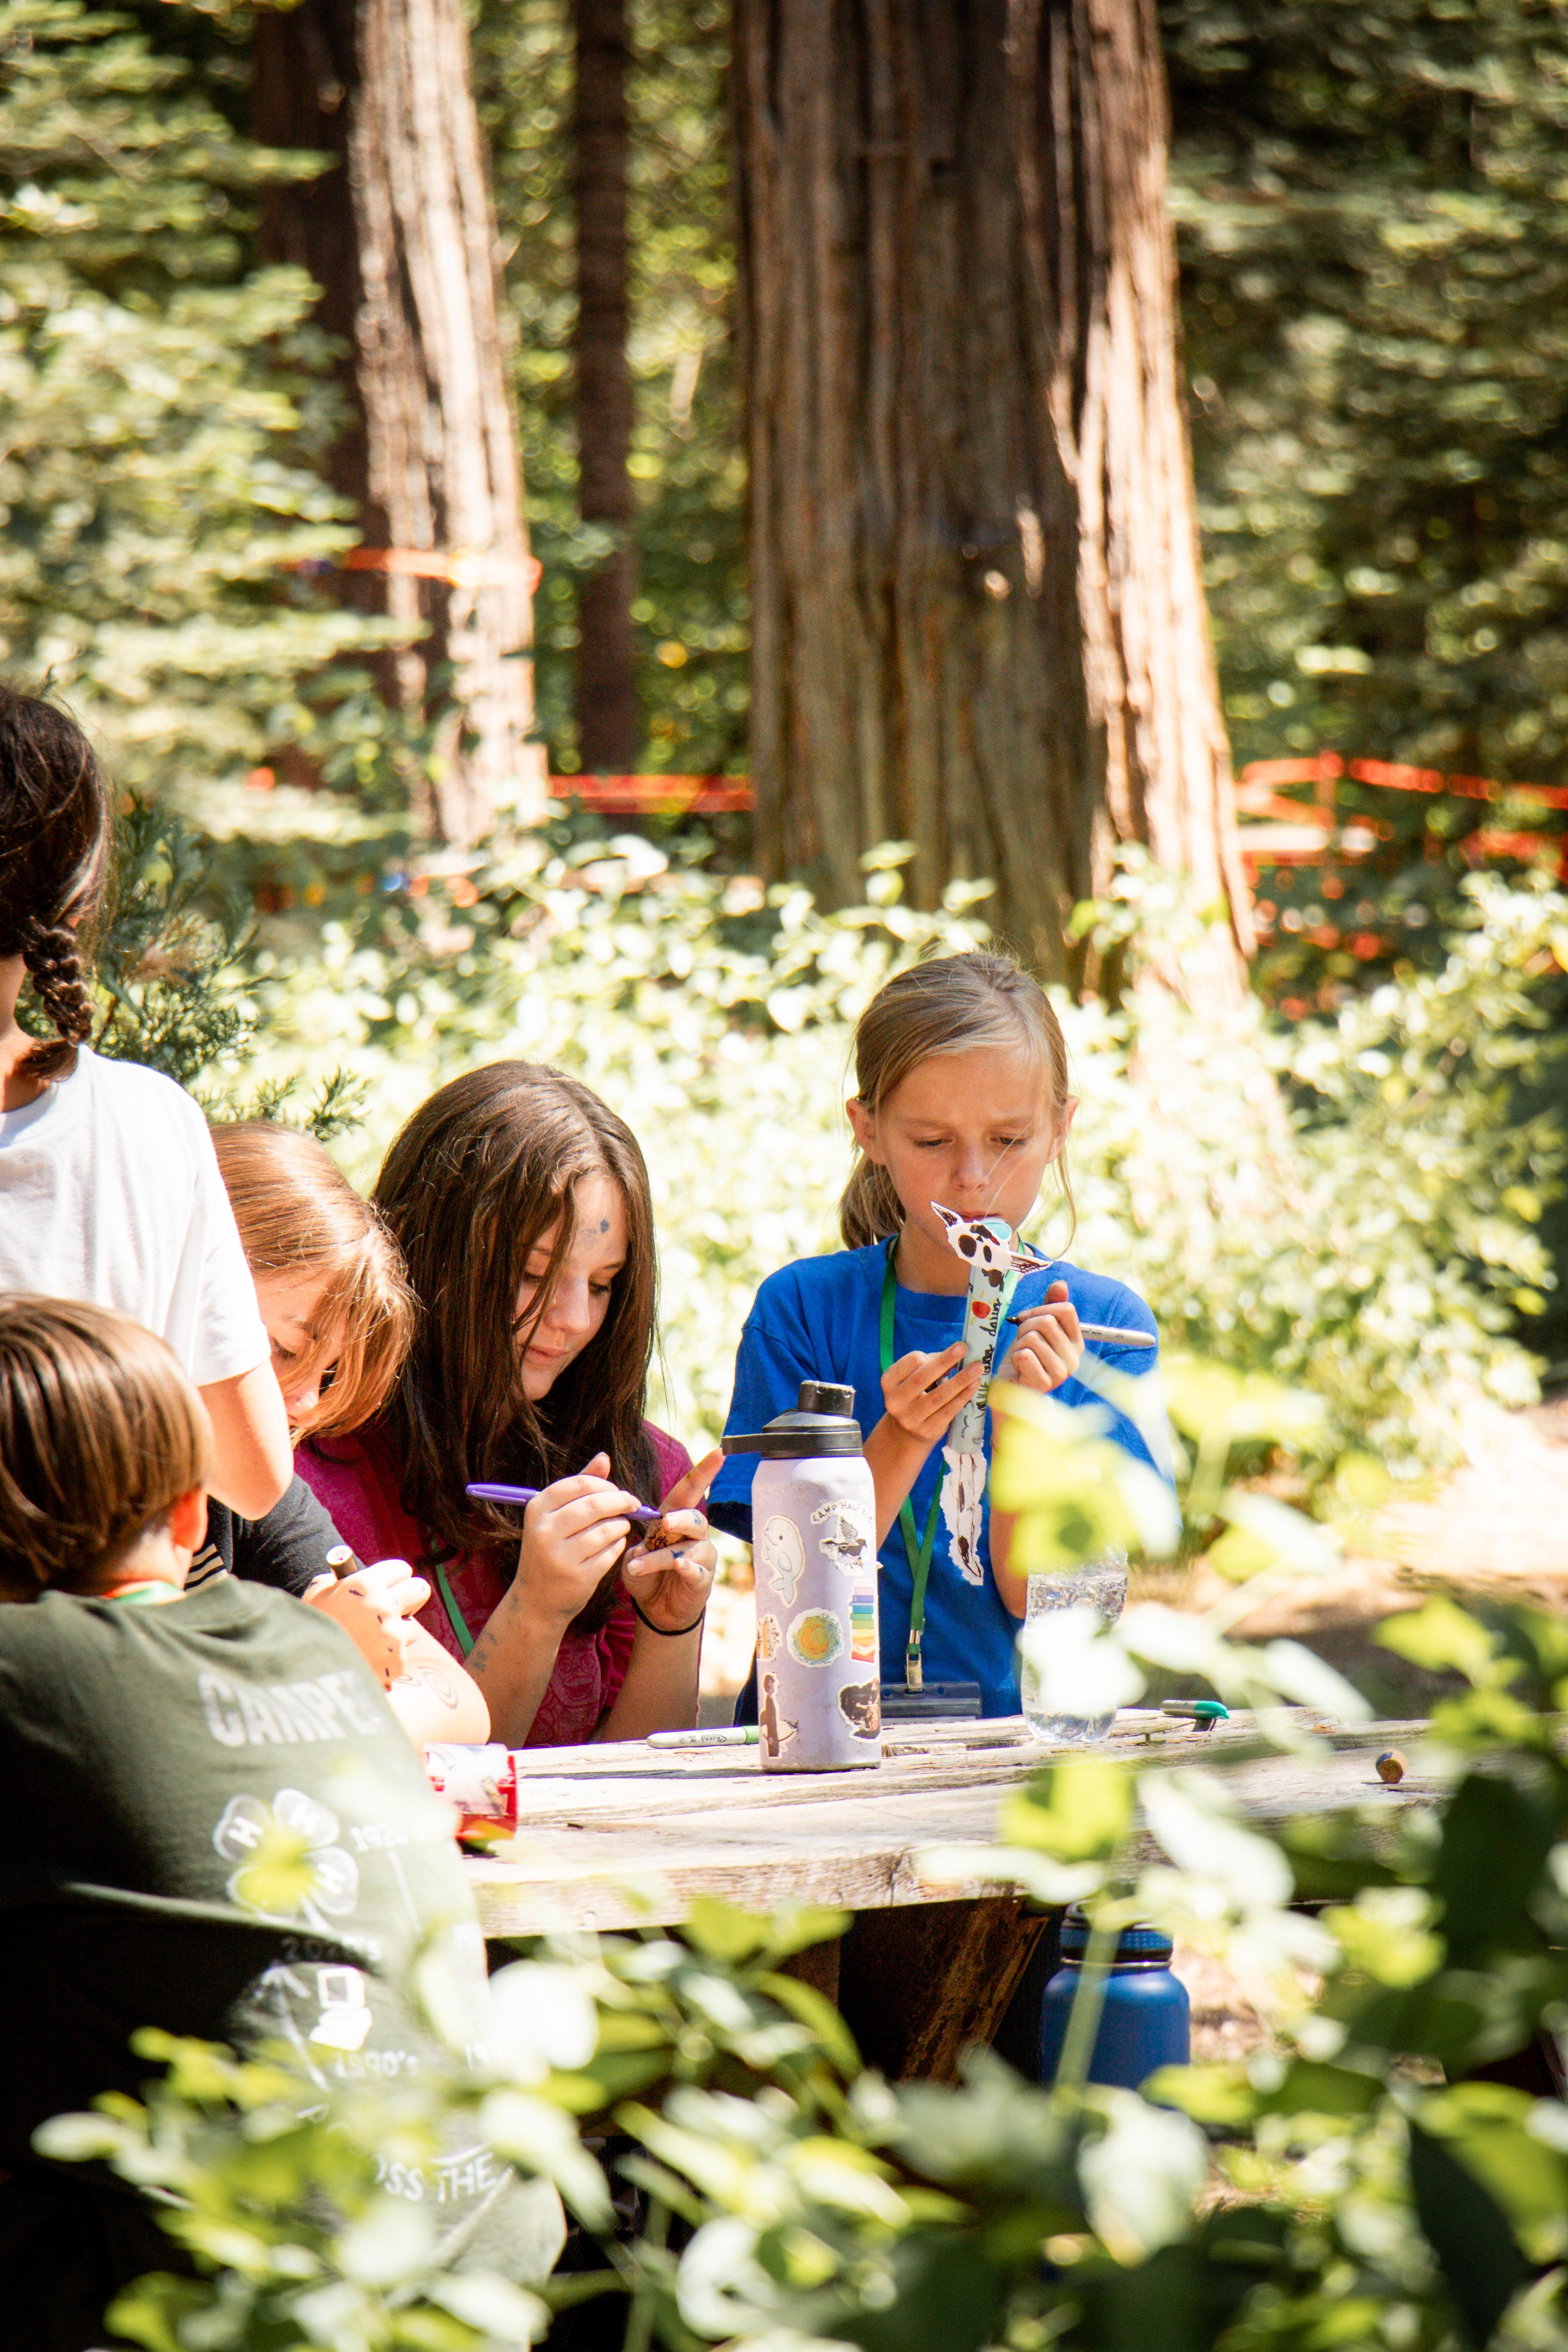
[299, 1218]
[100, 1433]
[950, 1005]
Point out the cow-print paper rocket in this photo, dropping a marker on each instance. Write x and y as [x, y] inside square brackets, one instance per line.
[987, 1247]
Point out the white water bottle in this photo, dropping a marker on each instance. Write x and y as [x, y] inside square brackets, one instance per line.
[814, 1542]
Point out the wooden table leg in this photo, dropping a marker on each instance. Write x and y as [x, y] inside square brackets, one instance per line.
[919, 1982]
[818, 1964]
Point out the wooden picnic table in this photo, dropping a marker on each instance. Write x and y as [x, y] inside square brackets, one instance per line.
[623, 1836]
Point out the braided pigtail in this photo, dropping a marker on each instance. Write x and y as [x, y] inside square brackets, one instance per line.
[59, 981]
[53, 845]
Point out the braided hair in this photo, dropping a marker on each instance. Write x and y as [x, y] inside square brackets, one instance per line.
[54, 844]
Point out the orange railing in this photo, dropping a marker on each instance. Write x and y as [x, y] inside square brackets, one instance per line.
[655, 795]
[1278, 831]
[1302, 833]
[1291, 832]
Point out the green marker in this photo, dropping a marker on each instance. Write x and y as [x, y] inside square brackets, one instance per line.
[1204, 1712]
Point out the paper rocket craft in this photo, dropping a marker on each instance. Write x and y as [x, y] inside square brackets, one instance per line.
[995, 1262]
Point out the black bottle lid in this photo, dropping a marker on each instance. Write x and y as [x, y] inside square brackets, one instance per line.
[822, 1422]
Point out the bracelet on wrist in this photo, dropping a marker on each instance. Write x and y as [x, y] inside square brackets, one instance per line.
[668, 1632]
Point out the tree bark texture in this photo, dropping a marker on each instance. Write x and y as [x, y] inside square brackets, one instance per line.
[978, 619]
[609, 733]
[400, 238]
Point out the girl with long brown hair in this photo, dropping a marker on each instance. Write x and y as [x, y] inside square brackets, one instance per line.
[521, 1204]
[962, 1099]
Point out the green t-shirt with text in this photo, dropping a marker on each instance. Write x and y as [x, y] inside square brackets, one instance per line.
[210, 1821]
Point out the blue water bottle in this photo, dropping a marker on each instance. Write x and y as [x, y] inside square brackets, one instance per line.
[1146, 2020]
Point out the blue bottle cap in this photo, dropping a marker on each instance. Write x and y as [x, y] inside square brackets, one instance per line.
[1132, 1944]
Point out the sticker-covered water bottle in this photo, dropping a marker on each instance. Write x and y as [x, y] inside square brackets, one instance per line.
[813, 1543]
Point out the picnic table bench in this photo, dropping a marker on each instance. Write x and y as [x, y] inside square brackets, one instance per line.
[621, 1835]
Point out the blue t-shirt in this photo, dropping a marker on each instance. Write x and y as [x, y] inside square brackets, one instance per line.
[820, 1319]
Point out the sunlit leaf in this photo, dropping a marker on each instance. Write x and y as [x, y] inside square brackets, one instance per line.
[1077, 1810]
[1141, 2176]
[1440, 1633]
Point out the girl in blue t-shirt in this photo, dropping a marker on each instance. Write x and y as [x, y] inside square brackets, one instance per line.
[961, 1098]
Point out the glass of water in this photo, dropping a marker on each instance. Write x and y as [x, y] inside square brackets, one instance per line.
[1102, 1586]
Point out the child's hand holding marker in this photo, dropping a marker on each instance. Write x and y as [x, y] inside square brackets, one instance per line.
[573, 1534]
[573, 1531]
[1049, 1348]
[670, 1574]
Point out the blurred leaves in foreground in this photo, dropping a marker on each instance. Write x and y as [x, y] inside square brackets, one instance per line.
[1355, 2182]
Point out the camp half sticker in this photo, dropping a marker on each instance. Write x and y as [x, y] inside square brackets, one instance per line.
[863, 1625]
[816, 1638]
[850, 1539]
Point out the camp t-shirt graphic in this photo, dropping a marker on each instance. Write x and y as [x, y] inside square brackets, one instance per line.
[213, 1823]
[317, 1884]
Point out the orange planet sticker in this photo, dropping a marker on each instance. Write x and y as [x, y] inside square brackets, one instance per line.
[816, 1638]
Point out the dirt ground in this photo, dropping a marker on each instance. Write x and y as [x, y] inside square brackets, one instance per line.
[1495, 1529]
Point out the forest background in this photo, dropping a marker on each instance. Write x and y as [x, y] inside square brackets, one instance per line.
[1355, 1188]
[1374, 305]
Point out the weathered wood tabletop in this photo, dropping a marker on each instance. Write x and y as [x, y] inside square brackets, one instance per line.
[623, 1836]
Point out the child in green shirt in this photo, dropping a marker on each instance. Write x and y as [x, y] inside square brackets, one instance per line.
[212, 1822]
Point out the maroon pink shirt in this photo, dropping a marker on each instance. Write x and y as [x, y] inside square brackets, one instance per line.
[358, 1482]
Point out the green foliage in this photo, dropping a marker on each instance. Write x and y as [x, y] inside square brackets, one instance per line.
[687, 463]
[162, 409]
[167, 968]
[1374, 310]
[1373, 1242]
[169, 982]
[1380, 1242]
[288, 2206]
[1376, 313]
[1348, 2185]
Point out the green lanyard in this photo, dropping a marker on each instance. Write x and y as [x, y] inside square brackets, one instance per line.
[455, 1616]
[919, 1548]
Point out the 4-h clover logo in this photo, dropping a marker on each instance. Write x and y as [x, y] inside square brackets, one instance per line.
[290, 1870]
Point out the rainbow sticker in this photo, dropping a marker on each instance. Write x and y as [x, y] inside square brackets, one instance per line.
[816, 1638]
[863, 1626]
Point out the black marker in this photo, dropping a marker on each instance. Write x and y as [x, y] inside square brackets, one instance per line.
[1100, 1335]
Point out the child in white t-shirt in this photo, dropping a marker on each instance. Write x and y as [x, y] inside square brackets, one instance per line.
[108, 1188]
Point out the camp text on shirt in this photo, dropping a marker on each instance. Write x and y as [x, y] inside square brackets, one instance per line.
[259, 1714]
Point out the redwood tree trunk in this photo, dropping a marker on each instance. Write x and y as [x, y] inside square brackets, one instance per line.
[978, 616]
[401, 241]
[609, 730]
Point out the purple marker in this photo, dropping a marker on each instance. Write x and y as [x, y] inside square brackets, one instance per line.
[483, 1492]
